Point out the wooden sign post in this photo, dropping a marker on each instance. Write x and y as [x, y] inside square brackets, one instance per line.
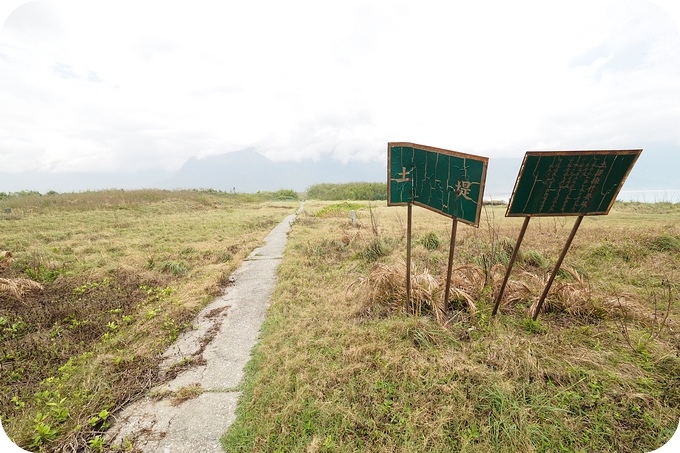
[448, 182]
[565, 183]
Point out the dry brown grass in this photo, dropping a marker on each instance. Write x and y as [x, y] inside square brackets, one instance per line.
[467, 284]
[18, 287]
[382, 292]
[383, 289]
[516, 292]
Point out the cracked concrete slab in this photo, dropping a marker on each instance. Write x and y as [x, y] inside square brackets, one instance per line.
[217, 350]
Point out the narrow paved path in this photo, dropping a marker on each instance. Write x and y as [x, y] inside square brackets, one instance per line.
[216, 351]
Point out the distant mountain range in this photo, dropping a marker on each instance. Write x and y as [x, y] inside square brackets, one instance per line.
[248, 171]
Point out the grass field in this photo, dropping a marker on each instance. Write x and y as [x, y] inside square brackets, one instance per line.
[95, 286]
[345, 364]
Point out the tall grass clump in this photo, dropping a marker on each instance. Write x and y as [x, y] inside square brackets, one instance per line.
[665, 243]
[534, 259]
[431, 241]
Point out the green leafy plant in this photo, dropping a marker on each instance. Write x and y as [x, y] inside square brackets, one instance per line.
[59, 410]
[43, 432]
[100, 421]
[97, 443]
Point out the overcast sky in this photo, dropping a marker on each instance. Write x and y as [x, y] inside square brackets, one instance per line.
[135, 85]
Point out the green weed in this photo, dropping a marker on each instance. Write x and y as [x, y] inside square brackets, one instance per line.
[43, 431]
[97, 443]
[431, 241]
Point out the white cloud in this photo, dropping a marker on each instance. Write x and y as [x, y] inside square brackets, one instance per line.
[131, 85]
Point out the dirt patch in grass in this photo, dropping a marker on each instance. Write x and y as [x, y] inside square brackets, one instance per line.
[44, 336]
[62, 319]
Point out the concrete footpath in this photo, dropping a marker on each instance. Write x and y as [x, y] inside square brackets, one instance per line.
[216, 352]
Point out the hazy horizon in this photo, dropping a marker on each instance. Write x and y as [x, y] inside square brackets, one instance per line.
[248, 171]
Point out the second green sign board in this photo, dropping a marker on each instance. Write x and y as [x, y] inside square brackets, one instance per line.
[444, 181]
[570, 182]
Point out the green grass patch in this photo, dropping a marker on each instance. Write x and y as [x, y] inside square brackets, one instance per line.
[339, 209]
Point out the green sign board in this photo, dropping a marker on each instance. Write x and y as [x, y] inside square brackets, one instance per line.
[570, 182]
[444, 181]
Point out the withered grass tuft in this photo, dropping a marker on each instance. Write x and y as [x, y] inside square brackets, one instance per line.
[345, 363]
[94, 286]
